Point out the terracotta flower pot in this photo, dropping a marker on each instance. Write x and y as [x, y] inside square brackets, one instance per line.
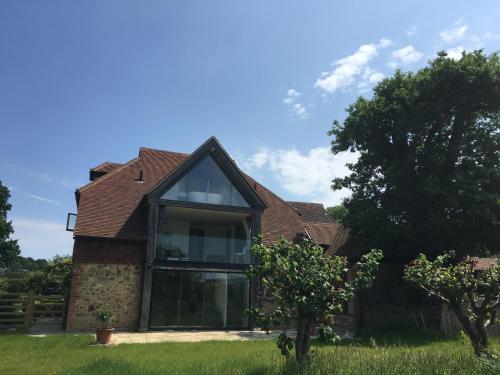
[103, 335]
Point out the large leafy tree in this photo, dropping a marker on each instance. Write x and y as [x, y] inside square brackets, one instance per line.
[474, 296]
[9, 249]
[337, 213]
[306, 286]
[428, 174]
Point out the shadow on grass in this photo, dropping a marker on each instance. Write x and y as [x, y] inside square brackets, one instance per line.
[105, 366]
[386, 336]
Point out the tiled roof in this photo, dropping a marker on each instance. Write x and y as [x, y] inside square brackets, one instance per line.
[311, 212]
[321, 228]
[482, 264]
[111, 206]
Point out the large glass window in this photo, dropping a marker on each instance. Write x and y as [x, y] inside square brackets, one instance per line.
[204, 299]
[196, 235]
[206, 183]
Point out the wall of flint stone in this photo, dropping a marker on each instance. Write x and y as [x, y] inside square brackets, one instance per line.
[105, 273]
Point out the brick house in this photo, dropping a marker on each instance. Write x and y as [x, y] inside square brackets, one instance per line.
[164, 239]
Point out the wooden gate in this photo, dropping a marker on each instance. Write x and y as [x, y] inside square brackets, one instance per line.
[25, 310]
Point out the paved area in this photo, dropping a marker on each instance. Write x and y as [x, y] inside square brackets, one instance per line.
[188, 336]
[120, 337]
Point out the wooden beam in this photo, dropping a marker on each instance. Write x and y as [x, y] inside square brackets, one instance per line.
[147, 281]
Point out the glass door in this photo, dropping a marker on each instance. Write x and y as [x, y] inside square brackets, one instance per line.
[199, 299]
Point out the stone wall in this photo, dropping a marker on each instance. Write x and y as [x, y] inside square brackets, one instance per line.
[109, 273]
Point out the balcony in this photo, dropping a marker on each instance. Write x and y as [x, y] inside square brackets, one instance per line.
[203, 236]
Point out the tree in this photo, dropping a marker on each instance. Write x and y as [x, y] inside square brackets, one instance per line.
[473, 296]
[428, 174]
[337, 213]
[55, 278]
[306, 286]
[28, 264]
[9, 249]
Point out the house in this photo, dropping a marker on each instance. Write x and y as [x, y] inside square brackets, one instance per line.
[164, 240]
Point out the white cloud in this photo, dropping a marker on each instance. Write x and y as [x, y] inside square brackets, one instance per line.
[455, 53]
[369, 78]
[405, 55]
[304, 176]
[295, 107]
[384, 43]
[299, 110]
[40, 238]
[455, 33]
[349, 68]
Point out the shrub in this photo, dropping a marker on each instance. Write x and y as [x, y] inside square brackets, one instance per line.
[105, 317]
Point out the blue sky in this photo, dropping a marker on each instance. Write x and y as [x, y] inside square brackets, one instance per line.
[82, 82]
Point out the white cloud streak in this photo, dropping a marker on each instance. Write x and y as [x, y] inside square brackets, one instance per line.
[349, 68]
[14, 190]
[411, 31]
[41, 199]
[42, 176]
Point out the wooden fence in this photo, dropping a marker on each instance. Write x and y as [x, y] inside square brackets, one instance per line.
[25, 310]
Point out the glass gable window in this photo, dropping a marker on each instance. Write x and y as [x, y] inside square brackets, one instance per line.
[196, 235]
[199, 299]
[206, 183]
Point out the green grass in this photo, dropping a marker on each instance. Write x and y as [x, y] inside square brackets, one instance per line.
[375, 353]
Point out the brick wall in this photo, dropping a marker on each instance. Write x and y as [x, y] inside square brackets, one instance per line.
[106, 272]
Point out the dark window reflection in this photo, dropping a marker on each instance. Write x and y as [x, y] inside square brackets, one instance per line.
[210, 299]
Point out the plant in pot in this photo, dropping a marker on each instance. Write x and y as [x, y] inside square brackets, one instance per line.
[104, 319]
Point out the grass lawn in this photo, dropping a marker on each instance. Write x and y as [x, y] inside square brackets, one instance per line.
[409, 353]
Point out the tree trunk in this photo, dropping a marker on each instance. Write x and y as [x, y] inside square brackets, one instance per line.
[481, 328]
[477, 332]
[303, 340]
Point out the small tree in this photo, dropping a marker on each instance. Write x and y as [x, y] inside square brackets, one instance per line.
[306, 286]
[474, 296]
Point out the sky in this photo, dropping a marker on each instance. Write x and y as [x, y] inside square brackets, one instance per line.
[82, 82]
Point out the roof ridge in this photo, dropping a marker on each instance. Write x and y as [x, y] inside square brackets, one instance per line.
[113, 172]
[306, 202]
[158, 150]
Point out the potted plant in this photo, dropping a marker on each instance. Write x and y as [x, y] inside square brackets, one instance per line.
[104, 318]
